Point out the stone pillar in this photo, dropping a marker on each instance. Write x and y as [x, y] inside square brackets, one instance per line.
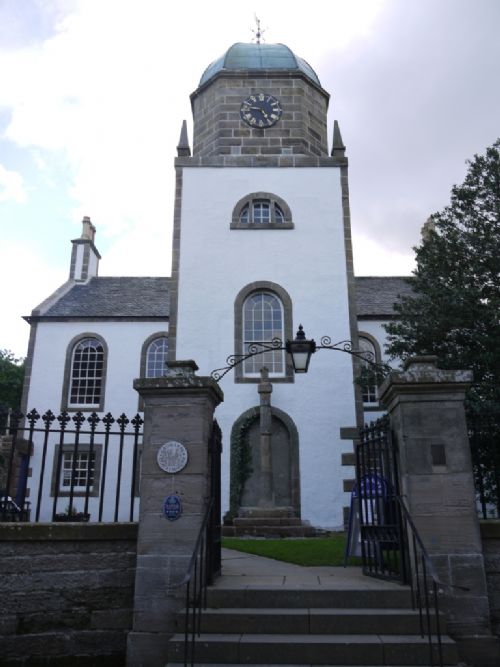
[426, 406]
[178, 408]
[265, 389]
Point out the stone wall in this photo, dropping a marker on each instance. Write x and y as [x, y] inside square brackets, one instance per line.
[219, 130]
[490, 534]
[66, 593]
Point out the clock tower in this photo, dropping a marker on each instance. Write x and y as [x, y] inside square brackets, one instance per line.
[261, 245]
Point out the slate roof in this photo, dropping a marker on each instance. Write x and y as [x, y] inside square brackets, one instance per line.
[123, 297]
[375, 295]
[112, 297]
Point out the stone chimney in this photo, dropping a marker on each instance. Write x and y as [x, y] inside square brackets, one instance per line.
[84, 256]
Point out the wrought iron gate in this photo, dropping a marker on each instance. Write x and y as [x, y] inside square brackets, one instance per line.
[214, 531]
[391, 547]
[384, 548]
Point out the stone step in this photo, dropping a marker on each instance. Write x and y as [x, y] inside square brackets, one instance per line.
[310, 621]
[267, 521]
[262, 512]
[275, 530]
[312, 649]
[300, 598]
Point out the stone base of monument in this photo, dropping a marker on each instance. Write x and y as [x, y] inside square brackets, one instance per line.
[268, 522]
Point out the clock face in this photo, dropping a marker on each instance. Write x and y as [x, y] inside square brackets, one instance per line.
[260, 110]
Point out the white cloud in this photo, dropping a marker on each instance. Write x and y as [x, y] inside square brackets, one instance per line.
[374, 259]
[21, 292]
[96, 93]
[11, 186]
[112, 95]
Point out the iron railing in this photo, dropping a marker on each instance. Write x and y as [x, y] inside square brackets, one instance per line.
[391, 547]
[199, 575]
[205, 563]
[425, 586]
[71, 467]
[484, 436]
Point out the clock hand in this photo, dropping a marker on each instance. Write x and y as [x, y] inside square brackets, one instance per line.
[261, 111]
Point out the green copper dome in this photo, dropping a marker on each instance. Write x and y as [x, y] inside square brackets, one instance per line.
[255, 57]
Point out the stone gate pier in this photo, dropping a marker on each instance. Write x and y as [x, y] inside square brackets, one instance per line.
[178, 420]
[426, 406]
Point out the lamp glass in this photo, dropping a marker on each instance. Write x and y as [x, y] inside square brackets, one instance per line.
[300, 360]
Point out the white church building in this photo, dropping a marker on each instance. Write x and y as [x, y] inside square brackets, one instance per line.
[261, 245]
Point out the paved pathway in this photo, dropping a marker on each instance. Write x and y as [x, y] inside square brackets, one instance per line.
[241, 570]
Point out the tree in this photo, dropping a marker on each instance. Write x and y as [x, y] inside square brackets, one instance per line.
[454, 311]
[11, 380]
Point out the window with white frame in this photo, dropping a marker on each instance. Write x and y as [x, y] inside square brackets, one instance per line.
[262, 210]
[80, 468]
[156, 356]
[87, 371]
[263, 322]
[369, 388]
[82, 464]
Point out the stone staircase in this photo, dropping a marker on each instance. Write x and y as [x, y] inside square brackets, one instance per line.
[305, 625]
[268, 522]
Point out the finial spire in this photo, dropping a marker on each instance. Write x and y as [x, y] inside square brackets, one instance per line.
[258, 33]
[183, 149]
[338, 148]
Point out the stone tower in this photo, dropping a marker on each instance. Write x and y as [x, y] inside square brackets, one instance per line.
[262, 244]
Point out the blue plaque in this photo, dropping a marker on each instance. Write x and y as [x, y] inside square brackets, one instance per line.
[172, 507]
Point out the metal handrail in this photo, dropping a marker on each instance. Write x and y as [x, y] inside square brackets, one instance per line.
[391, 547]
[198, 573]
[421, 591]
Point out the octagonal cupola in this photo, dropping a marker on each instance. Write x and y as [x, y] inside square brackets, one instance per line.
[257, 100]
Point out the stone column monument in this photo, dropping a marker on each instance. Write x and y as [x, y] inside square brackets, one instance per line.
[174, 490]
[266, 481]
[426, 406]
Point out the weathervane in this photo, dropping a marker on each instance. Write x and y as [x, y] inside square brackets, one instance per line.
[258, 33]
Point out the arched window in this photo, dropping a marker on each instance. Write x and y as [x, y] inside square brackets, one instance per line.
[263, 322]
[369, 388]
[156, 356]
[262, 313]
[86, 377]
[262, 210]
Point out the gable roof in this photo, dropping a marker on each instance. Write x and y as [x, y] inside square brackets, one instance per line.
[149, 297]
[110, 297]
[376, 295]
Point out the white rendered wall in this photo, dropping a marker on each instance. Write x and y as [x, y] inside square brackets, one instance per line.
[79, 261]
[309, 263]
[124, 342]
[93, 264]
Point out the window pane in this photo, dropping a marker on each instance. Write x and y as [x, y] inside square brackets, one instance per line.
[83, 471]
[156, 357]
[278, 214]
[86, 372]
[261, 211]
[369, 389]
[262, 322]
[244, 214]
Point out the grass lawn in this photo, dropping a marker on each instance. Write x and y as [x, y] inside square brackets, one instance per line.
[308, 551]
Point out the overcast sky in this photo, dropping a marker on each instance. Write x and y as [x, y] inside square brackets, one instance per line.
[93, 94]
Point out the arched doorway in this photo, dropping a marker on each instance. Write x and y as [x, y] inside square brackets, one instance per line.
[245, 475]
